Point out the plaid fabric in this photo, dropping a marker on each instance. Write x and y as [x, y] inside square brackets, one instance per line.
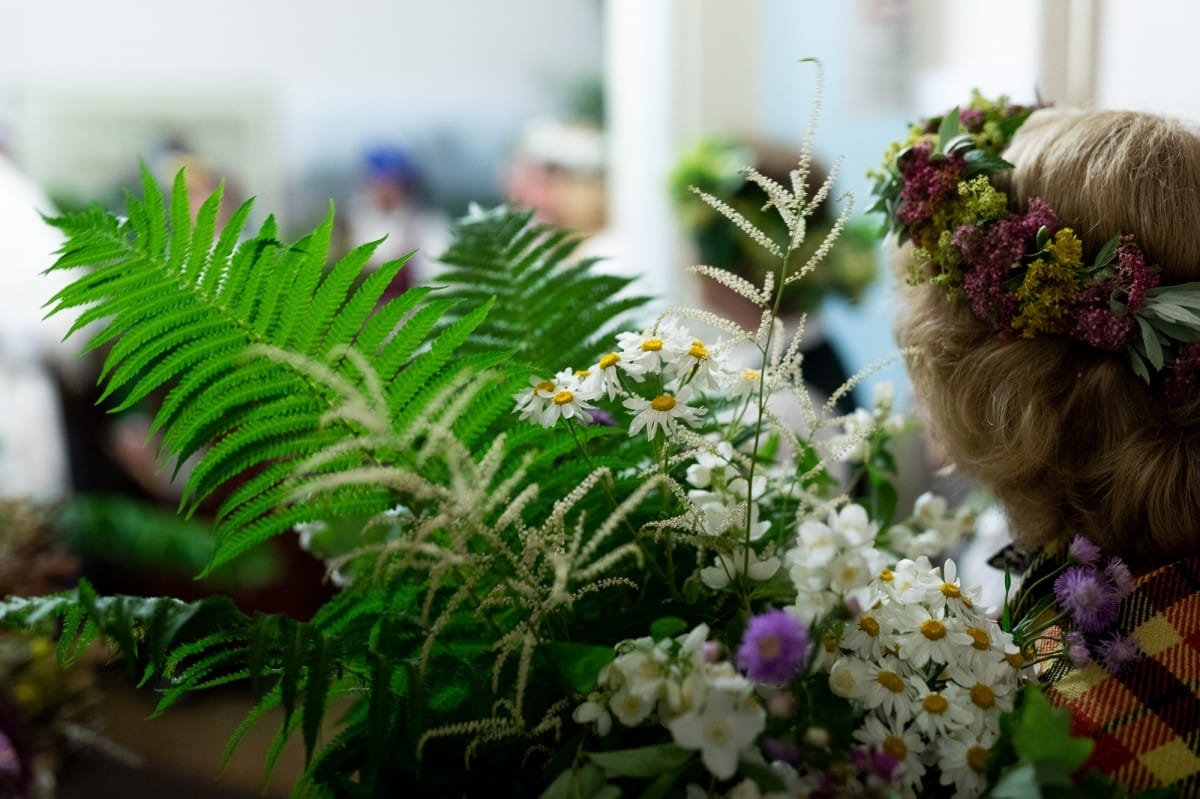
[1145, 720]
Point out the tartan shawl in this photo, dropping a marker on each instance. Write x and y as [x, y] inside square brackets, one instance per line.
[1145, 720]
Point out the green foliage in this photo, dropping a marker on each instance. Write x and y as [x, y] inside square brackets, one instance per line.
[550, 309]
[304, 399]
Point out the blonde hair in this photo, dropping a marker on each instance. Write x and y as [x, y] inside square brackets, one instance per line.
[1067, 436]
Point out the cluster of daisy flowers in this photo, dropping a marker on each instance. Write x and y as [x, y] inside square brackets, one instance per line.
[836, 560]
[931, 674]
[1087, 594]
[676, 366]
[682, 684]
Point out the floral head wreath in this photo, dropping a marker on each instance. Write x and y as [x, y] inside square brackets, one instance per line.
[1023, 272]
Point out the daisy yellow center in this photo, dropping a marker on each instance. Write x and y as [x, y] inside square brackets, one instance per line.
[698, 351]
[977, 758]
[663, 402]
[545, 385]
[830, 642]
[951, 591]
[652, 345]
[1014, 659]
[894, 745]
[563, 397]
[936, 704]
[609, 361]
[979, 639]
[750, 374]
[582, 372]
[891, 681]
[983, 696]
[933, 629]
[887, 575]
[869, 625]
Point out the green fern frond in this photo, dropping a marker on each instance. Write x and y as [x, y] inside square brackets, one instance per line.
[550, 310]
[216, 324]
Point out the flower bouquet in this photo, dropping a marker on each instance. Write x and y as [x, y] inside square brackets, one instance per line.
[579, 554]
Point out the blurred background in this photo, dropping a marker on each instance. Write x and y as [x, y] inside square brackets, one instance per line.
[595, 112]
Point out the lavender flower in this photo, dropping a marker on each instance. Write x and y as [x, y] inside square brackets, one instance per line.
[1117, 651]
[1084, 551]
[1089, 600]
[774, 647]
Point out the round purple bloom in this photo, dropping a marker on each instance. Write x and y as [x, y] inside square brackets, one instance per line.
[1119, 575]
[1117, 651]
[1077, 649]
[777, 749]
[1089, 600]
[774, 647]
[1084, 551]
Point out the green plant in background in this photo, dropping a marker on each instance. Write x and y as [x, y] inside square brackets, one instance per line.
[717, 167]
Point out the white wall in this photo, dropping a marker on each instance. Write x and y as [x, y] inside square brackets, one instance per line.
[456, 75]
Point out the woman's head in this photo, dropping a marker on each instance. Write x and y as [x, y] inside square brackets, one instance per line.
[1070, 439]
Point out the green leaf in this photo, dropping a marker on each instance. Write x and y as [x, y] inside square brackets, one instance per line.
[1043, 733]
[1150, 343]
[584, 782]
[947, 129]
[667, 627]
[578, 664]
[644, 762]
[1107, 252]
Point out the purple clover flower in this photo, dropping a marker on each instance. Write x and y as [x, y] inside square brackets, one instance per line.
[1117, 651]
[774, 647]
[1119, 577]
[776, 749]
[1089, 600]
[1084, 551]
[1077, 649]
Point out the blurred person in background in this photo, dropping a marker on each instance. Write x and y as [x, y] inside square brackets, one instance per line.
[34, 361]
[390, 204]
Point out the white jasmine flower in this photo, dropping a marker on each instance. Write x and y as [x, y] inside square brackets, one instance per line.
[728, 565]
[727, 723]
[662, 411]
[817, 545]
[592, 711]
[848, 677]
[700, 473]
[929, 508]
[853, 525]
[853, 568]
[631, 708]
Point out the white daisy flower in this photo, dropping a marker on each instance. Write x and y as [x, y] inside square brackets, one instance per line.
[891, 689]
[651, 350]
[604, 379]
[568, 401]
[942, 712]
[962, 759]
[531, 403]
[927, 637]
[697, 365]
[662, 412]
[903, 743]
